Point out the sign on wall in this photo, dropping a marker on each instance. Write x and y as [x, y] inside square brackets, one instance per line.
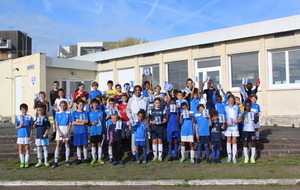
[33, 81]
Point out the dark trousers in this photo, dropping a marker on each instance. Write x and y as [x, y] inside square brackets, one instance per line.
[117, 150]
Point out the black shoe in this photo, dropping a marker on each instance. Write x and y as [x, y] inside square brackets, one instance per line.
[170, 159]
[198, 160]
[78, 162]
[208, 161]
[214, 161]
[133, 159]
[176, 158]
[87, 161]
[219, 161]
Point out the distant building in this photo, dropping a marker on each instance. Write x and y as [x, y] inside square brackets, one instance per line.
[14, 44]
[82, 48]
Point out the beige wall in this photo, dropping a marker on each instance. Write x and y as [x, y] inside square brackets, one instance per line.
[6, 78]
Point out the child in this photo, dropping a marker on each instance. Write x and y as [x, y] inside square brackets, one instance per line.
[216, 135]
[79, 121]
[140, 135]
[115, 140]
[187, 133]
[256, 109]
[239, 103]
[209, 94]
[95, 92]
[110, 90]
[157, 94]
[120, 94]
[232, 114]
[180, 100]
[42, 125]
[219, 104]
[24, 124]
[173, 131]
[53, 97]
[249, 91]
[194, 99]
[122, 108]
[146, 85]
[157, 119]
[248, 133]
[202, 133]
[97, 130]
[42, 96]
[61, 97]
[86, 106]
[63, 126]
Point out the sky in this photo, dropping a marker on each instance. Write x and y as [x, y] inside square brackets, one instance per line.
[65, 22]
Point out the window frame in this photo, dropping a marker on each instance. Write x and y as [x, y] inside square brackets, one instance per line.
[141, 69]
[167, 74]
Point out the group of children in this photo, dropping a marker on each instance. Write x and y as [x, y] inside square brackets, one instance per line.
[175, 116]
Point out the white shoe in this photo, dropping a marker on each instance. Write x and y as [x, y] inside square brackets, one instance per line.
[160, 159]
[154, 158]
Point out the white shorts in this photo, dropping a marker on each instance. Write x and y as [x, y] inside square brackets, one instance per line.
[63, 130]
[23, 140]
[189, 138]
[232, 134]
[256, 125]
[40, 142]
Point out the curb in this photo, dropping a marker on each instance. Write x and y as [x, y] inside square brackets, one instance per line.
[154, 182]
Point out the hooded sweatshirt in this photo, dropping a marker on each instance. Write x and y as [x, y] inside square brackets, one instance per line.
[135, 104]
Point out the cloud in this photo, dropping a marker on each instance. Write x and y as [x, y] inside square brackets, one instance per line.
[99, 6]
[151, 11]
[48, 6]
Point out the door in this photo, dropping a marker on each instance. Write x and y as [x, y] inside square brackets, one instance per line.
[18, 95]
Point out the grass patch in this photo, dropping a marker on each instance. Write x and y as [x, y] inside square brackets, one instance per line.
[298, 184]
[274, 185]
[183, 185]
[270, 171]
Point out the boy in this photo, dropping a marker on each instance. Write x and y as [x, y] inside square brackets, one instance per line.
[109, 90]
[95, 92]
[219, 104]
[146, 85]
[180, 100]
[249, 91]
[53, 97]
[202, 133]
[41, 101]
[187, 132]
[194, 99]
[216, 135]
[157, 119]
[115, 140]
[256, 109]
[24, 124]
[42, 125]
[97, 130]
[119, 94]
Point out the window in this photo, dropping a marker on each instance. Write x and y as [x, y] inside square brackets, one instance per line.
[9, 54]
[284, 67]
[177, 73]
[244, 66]
[154, 69]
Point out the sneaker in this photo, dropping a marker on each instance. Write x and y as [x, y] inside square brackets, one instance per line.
[214, 161]
[100, 161]
[218, 161]
[252, 160]
[133, 159]
[154, 159]
[115, 163]
[22, 165]
[87, 161]
[26, 165]
[138, 161]
[54, 165]
[176, 158]
[229, 159]
[144, 161]
[93, 161]
[68, 163]
[208, 161]
[47, 164]
[181, 160]
[110, 160]
[39, 164]
[246, 160]
[192, 160]
[170, 159]
[234, 160]
[78, 162]
[160, 159]
[121, 163]
[198, 160]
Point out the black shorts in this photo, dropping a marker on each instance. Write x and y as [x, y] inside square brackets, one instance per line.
[203, 140]
[249, 136]
[96, 139]
[157, 132]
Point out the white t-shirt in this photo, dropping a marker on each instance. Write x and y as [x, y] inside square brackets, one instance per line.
[58, 100]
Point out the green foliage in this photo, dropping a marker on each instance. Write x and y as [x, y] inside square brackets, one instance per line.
[129, 41]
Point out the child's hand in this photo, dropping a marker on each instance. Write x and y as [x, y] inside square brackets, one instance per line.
[235, 121]
[21, 124]
[153, 122]
[197, 136]
[94, 123]
[228, 123]
[208, 116]
[29, 139]
[56, 109]
[111, 142]
[61, 135]
[65, 135]
[35, 122]
[150, 74]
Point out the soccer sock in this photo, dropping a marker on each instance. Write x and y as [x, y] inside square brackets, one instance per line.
[257, 135]
[253, 151]
[218, 152]
[234, 149]
[199, 151]
[110, 151]
[79, 153]
[175, 150]
[213, 154]
[206, 151]
[154, 147]
[170, 151]
[26, 157]
[160, 150]
[192, 153]
[229, 149]
[94, 152]
[22, 158]
[246, 152]
[56, 154]
[45, 153]
[67, 152]
[145, 154]
[39, 154]
[99, 152]
[137, 155]
[182, 151]
[85, 153]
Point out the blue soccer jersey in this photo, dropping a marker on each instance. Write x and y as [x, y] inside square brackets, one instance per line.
[256, 109]
[140, 131]
[187, 127]
[28, 122]
[173, 123]
[94, 93]
[110, 112]
[99, 117]
[63, 118]
[216, 131]
[231, 114]
[145, 92]
[80, 129]
[202, 123]
[220, 107]
[194, 103]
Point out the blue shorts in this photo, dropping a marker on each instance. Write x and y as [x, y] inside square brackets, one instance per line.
[173, 136]
[249, 136]
[203, 140]
[216, 145]
[80, 139]
[140, 143]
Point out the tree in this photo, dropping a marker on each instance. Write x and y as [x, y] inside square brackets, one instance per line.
[129, 41]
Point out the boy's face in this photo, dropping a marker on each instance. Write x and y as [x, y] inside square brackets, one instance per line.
[84, 98]
[157, 104]
[109, 85]
[42, 97]
[195, 96]
[184, 107]
[147, 85]
[150, 93]
[61, 94]
[253, 100]
[179, 96]
[172, 102]
[119, 89]
[23, 111]
[237, 101]
[95, 105]
[219, 99]
[55, 86]
[40, 111]
[210, 83]
[137, 92]
[80, 106]
[124, 98]
[63, 107]
[95, 87]
[112, 104]
[247, 107]
[114, 118]
[201, 109]
[249, 86]
[231, 101]
[140, 117]
[215, 118]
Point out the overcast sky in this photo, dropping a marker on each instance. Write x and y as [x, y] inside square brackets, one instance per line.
[66, 22]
